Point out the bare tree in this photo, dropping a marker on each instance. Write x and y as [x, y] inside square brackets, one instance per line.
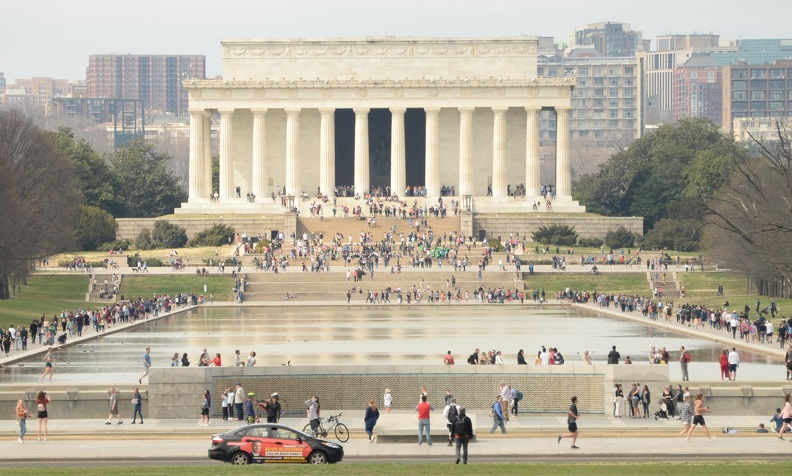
[38, 194]
[750, 219]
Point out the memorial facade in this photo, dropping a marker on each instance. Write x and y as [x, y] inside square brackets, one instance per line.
[406, 117]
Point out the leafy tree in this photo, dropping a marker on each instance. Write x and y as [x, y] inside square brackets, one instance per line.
[145, 187]
[671, 234]
[217, 235]
[38, 196]
[93, 226]
[678, 164]
[143, 240]
[168, 235]
[94, 179]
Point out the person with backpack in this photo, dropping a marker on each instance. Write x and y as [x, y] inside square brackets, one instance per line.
[451, 411]
[684, 360]
[463, 432]
[516, 397]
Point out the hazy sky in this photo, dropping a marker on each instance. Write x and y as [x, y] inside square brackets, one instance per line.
[54, 38]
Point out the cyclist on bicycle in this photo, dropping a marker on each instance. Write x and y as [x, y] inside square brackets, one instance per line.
[313, 413]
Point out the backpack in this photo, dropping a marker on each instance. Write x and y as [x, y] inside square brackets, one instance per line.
[686, 357]
[471, 360]
[453, 413]
[460, 428]
[519, 395]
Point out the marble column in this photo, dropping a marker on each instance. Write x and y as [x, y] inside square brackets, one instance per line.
[259, 152]
[327, 152]
[533, 174]
[208, 185]
[293, 152]
[563, 171]
[196, 182]
[432, 177]
[465, 151]
[397, 158]
[499, 177]
[226, 159]
[362, 175]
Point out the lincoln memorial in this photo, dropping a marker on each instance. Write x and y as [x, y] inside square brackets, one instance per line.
[456, 118]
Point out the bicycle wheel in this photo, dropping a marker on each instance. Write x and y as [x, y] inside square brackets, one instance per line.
[283, 407]
[309, 431]
[342, 432]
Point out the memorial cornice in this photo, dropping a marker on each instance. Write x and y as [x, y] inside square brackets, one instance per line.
[377, 83]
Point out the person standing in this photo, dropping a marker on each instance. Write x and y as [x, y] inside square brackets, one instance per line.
[474, 358]
[786, 416]
[613, 356]
[113, 408]
[230, 396]
[387, 400]
[734, 362]
[370, 419]
[698, 417]
[424, 408]
[223, 405]
[497, 415]
[684, 360]
[238, 359]
[42, 399]
[572, 417]
[137, 404]
[724, 364]
[450, 412]
[21, 415]
[521, 358]
[448, 359]
[239, 400]
[146, 364]
[463, 432]
[313, 413]
[505, 392]
[273, 409]
[206, 404]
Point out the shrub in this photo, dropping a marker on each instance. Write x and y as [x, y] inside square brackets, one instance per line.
[591, 242]
[679, 235]
[116, 245]
[154, 262]
[561, 235]
[167, 235]
[93, 226]
[495, 244]
[620, 238]
[217, 235]
[143, 240]
[261, 245]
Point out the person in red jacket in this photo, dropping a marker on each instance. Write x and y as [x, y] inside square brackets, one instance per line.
[423, 409]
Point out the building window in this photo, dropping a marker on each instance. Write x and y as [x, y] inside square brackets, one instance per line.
[777, 73]
[758, 106]
[777, 84]
[758, 73]
[740, 95]
[776, 95]
[758, 96]
[758, 84]
[740, 73]
[777, 106]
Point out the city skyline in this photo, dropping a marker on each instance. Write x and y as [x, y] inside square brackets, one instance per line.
[33, 44]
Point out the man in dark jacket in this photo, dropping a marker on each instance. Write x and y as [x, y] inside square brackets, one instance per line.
[273, 409]
[463, 432]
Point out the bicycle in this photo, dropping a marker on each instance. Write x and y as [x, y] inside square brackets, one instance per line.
[341, 430]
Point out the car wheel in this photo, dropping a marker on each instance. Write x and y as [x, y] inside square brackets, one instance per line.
[240, 457]
[317, 457]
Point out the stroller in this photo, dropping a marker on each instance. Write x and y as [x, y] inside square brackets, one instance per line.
[662, 414]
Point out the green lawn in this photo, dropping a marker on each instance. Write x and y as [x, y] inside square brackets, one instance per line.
[45, 294]
[145, 286]
[447, 468]
[633, 283]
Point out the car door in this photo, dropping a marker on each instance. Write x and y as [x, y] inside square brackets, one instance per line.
[285, 446]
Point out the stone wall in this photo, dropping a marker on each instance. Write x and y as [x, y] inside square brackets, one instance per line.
[586, 226]
[129, 228]
[74, 403]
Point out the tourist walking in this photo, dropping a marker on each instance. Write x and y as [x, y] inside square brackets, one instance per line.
[463, 432]
[786, 416]
[137, 406]
[724, 365]
[48, 368]
[613, 356]
[497, 415]
[370, 419]
[114, 412]
[424, 408]
[450, 413]
[42, 399]
[146, 364]
[572, 417]
[206, 404]
[505, 392]
[698, 417]
[313, 413]
[21, 416]
[734, 362]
